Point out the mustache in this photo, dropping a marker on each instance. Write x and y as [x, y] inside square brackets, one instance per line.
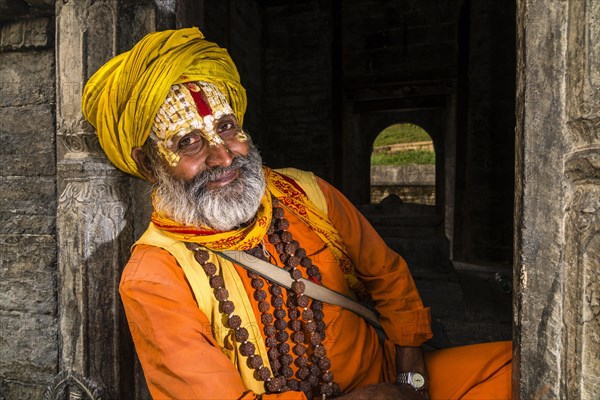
[198, 184]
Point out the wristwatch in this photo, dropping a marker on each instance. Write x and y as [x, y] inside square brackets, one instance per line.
[414, 379]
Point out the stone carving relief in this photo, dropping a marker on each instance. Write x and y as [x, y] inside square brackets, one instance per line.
[69, 385]
[582, 283]
[33, 33]
[583, 82]
[99, 201]
[94, 238]
[79, 144]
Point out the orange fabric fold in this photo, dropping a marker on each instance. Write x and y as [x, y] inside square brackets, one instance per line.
[475, 372]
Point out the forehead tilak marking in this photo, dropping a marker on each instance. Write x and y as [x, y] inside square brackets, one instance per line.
[217, 102]
[178, 116]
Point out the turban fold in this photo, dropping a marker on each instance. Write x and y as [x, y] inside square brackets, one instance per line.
[123, 97]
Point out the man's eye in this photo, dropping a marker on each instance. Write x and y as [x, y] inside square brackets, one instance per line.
[225, 126]
[187, 141]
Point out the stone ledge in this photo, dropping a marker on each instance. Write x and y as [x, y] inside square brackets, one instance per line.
[403, 175]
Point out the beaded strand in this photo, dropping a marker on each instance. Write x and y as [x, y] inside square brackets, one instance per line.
[313, 375]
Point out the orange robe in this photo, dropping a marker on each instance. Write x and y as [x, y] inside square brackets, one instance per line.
[181, 360]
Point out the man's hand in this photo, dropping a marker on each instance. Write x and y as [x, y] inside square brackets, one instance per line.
[383, 391]
[410, 359]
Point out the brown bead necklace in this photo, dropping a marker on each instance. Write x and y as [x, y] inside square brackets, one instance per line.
[313, 376]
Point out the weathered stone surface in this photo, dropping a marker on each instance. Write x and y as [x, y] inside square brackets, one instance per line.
[11, 389]
[31, 121]
[28, 205]
[557, 208]
[27, 34]
[29, 346]
[27, 224]
[27, 134]
[27, 78]
[44, 4]
[28, 272]
[29, 196]
[10, 9]
[403, 175]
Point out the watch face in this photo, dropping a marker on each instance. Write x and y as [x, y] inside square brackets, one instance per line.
[417, 380]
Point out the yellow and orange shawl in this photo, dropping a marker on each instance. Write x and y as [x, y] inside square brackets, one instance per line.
[296, 190]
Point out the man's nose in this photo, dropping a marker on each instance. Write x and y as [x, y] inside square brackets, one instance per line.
[219, 155]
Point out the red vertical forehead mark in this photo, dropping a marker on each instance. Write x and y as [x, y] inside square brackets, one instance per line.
[201, 102]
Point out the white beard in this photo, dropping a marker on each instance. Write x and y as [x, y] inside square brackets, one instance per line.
[223, 208]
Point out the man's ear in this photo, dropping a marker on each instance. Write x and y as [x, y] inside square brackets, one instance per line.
[143, 162]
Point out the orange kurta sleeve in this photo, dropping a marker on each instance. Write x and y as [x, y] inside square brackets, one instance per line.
[173, 337]
[385, 274]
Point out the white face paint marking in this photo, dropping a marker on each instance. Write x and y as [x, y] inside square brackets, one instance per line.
[178, 116]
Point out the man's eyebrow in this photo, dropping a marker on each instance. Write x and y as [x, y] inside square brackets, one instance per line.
[227, 116]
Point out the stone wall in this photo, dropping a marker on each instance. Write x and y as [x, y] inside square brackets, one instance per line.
[412, 183]
[28, 263]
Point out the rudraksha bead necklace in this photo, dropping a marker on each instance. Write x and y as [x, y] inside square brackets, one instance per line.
[313, 376]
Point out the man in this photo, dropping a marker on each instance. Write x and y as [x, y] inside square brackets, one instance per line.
[171, 111]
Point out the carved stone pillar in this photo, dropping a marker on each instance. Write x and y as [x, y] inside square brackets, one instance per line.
[557, 244]
[94, 217]
[582, 219]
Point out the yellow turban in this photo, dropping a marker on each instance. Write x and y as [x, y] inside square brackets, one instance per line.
[123, 97]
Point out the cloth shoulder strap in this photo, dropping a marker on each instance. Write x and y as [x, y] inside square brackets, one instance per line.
[208, 304]
[280, 276]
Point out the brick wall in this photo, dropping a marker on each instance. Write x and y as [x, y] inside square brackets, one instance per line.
[28, 293]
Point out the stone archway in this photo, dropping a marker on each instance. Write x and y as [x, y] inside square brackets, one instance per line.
[403, 165]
